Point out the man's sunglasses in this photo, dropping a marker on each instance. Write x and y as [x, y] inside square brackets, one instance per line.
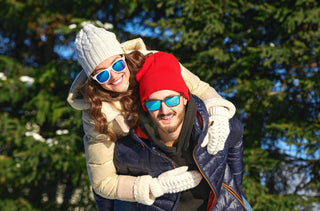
[118, 66]
[154, 105]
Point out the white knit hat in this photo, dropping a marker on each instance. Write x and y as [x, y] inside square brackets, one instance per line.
[93, 45]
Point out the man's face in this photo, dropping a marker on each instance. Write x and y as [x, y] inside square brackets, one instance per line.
[168, 119]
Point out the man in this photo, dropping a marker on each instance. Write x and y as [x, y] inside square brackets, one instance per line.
[169, 134]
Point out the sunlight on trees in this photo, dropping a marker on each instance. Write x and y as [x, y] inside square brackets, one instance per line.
[261, 55]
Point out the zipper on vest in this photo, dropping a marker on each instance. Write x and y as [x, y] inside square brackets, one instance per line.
[195, 160]
[224, 185]
[234, 194]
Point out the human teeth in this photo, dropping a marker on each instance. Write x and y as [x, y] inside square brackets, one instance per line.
[118, 81]
[168, 117]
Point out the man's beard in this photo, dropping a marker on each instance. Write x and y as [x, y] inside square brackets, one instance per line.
[170, 128]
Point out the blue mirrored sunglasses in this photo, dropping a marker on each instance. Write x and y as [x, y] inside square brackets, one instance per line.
[118, 66]
[154, 105]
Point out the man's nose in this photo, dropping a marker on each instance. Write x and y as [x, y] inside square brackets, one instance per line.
[164, 109]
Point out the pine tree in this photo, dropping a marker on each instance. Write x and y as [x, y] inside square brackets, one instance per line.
[261, 55]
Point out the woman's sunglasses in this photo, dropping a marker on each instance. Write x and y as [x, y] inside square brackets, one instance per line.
[118, 66]
[154, 105]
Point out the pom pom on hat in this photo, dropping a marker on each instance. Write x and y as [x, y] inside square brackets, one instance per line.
[160, 71]
[93, 45]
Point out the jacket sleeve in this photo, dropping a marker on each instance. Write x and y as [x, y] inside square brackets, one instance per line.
[198, 87]
[205, 92]
[235, 150]
[100, 166]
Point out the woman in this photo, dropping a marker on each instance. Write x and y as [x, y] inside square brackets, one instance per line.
[106, 93]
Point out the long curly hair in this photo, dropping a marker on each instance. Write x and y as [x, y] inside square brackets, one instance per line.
[129, 100]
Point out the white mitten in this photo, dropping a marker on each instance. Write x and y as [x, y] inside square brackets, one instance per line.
[175, 181]
[146, 188]
[217, 132]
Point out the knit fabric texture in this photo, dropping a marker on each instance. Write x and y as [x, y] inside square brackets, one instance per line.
[160, 71]
[174, 181]
[93, 45]
[219, 131]
[141, 190]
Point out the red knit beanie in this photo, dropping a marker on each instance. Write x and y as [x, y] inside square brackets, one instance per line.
[160, 71]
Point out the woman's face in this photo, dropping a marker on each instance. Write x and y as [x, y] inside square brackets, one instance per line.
[118, 82]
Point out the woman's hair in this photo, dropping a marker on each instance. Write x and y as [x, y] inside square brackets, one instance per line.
[129, 100]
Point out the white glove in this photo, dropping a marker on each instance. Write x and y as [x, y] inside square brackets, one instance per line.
[217, 132]
[147, 189]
